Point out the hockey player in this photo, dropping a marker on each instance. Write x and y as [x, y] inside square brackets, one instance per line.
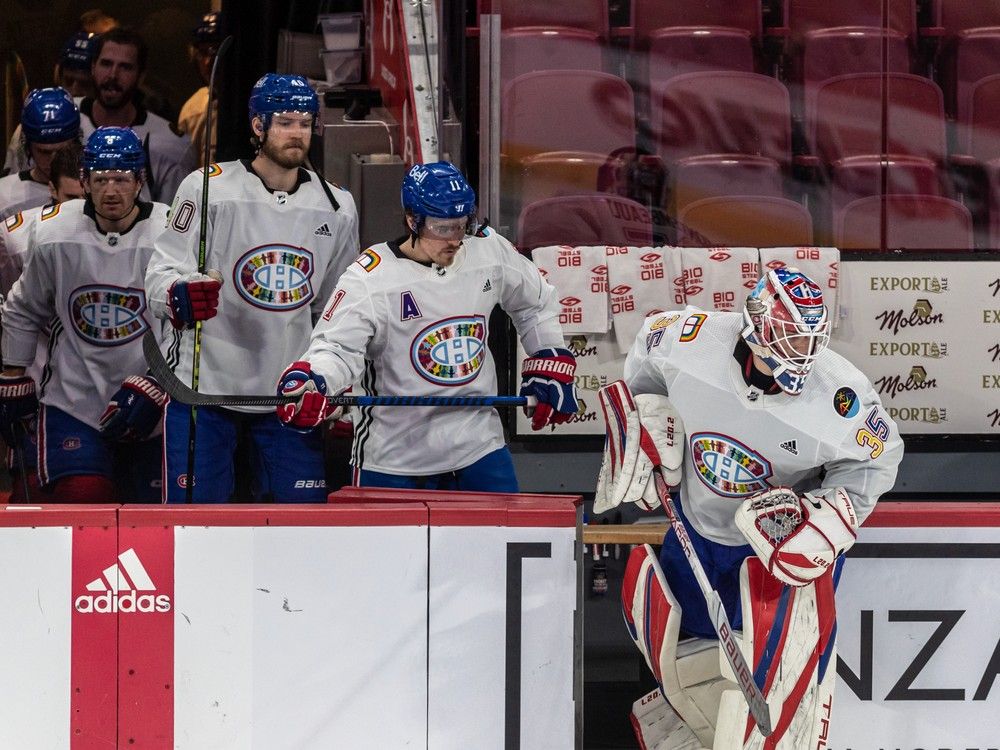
[410, 317]
[780, 448]
[205, 43]
[49, 120]
[16, 234]
[83, 278]
[64, 185]
[119, 63]
[281, 237]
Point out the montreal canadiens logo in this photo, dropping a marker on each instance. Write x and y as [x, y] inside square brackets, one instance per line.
[275, 277]
[108, 315]
[727, 467]
[450, 351]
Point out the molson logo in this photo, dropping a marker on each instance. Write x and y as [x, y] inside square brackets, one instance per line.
[578, 345]
[123, 587]
[893, 385]
[922, 315]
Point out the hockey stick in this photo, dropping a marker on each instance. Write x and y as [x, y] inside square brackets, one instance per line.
[202, 256]
[179, 392]
[759, 708]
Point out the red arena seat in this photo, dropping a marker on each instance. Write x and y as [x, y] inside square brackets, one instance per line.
[803, 16]
[589, 15]
[722, 112]
[529, 49]
[912, 222]
[713, 175]
[650, 15]
[847, 117]
[744, 221]
[979, 130]
[584, 220]
[833, 52]
[969, 50]
[692, 49]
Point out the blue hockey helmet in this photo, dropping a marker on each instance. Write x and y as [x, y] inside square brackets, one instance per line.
[787, 325]
[116, 149]
[438, 190]
[78, 52]
[278, 92]
[50, 116]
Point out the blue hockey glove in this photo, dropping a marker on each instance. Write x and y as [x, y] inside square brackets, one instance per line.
[548, 375]
[194, 299]
[135, 410]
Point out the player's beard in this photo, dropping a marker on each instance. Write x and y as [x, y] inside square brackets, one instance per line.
[284, 156]
[112, 96]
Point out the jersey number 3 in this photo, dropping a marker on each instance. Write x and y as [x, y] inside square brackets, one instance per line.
[873, 434]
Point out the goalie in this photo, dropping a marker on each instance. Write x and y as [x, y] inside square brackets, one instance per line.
[779, 448]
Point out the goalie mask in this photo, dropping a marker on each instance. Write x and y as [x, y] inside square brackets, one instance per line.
[786, 325]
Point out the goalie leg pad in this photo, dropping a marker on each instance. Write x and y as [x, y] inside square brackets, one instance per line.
[658, 727]
[643, 432]
[788, 638]
[687, 673]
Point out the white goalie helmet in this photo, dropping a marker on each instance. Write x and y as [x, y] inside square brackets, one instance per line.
[787, 325]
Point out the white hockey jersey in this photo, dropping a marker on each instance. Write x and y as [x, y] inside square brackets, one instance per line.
[741, 441]
[19, 192]
[15, 238]
[280, 255]
[407, 329]
[169, 155]
[89, 285]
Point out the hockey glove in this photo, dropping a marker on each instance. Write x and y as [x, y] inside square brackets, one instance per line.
[310, 409]
[135, 410]
[17, 403]
[194, 299]
[548, 376]
[798, 538]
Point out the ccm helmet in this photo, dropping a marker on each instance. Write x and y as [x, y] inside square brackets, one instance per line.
[438, 190]
[787, 325]
[277, 92]
[115, 149]
[50, 116]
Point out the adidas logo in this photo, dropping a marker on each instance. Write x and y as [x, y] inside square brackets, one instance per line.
[790, 446]
[487, 286]
[117, 589]
[323, 231]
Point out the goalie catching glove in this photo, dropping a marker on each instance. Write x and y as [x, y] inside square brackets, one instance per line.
[643, 432]
[310, 409]
[549, 376]
[798, 538]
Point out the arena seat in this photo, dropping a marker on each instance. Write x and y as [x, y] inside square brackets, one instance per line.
[832, 52]
[722, 112]
[802, 16]
[566, 109]
[529, 49]
[913, 222]
[847, 117]
[979, 130]
[692, 49]
[715, 175]
[595, 219]
[650, 15]
[744, 221]
[558, 173]
[589, 15]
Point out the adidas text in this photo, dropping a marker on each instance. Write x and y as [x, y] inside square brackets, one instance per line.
[323, 231]
[130, 601]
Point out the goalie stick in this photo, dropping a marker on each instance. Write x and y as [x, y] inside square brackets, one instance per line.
[759, 709]
[180, 392]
